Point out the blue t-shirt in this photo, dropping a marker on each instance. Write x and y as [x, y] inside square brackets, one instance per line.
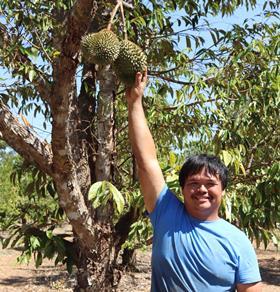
[193, 255]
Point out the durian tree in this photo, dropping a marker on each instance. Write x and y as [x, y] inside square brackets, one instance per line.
[219, 95]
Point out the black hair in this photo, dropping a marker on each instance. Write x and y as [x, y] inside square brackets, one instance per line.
[212, 164]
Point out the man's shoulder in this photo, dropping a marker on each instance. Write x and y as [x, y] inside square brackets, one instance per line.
[229, 225]
[232, 232]
[167, 206]
[167, 196]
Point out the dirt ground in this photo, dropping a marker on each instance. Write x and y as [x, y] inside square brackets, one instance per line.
[15, 277]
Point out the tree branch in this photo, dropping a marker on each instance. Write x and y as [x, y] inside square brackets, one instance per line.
[157, 73]
[128, 5]
[24, 142]
[66, 139]
[76, 25]
[174, 107]
[64, 103]
[172, 80]
[256, 146]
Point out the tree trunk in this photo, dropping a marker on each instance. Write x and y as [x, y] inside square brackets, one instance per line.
[81, 150]
[96, 267]
[129, 259]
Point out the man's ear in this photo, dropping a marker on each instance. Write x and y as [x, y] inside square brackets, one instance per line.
[223, 192]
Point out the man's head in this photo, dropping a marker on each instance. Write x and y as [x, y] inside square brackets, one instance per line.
[203, 179]
[210, 163]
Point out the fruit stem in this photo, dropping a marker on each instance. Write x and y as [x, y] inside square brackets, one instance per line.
[113, 13]
[123, 20]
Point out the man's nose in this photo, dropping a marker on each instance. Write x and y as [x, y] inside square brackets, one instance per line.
[202, 188]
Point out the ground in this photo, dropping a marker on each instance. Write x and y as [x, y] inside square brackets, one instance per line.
[15, 277]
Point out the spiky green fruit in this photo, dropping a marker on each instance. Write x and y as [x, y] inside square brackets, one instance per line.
[100, 48]
[131, 60]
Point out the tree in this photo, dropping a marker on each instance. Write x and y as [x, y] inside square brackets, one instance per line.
[8, 191]
[88, 153]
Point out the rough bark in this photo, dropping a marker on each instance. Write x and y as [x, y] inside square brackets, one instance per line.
[99, 271]
[87, 109]
[105, 125]
[24, 141]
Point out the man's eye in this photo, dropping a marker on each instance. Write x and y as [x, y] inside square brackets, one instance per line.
[209, 185]
[193, 184]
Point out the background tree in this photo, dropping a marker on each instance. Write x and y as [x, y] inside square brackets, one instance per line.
[219, 96]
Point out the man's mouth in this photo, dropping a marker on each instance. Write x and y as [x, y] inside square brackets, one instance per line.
[202, 199]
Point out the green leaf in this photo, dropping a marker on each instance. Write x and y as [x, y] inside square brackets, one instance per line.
[97, 194]
[39, 259]
[274, 170]
[188, 42]
[172, 159]
[226, 156]
[6, 242]
[100, 192]
[49, 234]
[242, 168]
[94, 190]
[34, 242]
[49, 250]
[57, 260]
[24, 258]
[59, 244]
[31, 75]
[117, 197]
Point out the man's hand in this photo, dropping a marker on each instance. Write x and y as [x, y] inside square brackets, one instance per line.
[137, 90]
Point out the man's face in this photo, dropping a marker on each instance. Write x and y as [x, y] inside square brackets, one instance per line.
[202, 195]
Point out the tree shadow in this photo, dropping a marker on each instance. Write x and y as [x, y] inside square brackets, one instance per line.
[14, 281]
[46, 279]
[270, 270]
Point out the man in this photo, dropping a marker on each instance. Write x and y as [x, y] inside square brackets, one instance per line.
[193, 249]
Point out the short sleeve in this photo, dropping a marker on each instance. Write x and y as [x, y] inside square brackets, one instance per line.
[165, 204]
[248, 268]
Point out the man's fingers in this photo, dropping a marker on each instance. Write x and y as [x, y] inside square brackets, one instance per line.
[145, 76]
[138, 78]
[127, 91]
[141, 77]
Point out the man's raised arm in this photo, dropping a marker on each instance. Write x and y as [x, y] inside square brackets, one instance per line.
[143, 146]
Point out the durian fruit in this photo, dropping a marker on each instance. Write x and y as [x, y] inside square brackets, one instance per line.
[131, 60]
[100, 48]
